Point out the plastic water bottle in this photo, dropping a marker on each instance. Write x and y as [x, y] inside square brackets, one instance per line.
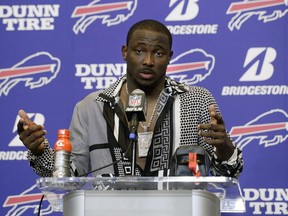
[62, 149]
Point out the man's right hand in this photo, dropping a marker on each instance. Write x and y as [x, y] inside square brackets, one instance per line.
[31, 135]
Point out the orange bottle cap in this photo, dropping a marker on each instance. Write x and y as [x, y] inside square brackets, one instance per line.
[64, 132]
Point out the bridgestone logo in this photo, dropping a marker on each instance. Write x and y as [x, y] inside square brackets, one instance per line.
[255, 90]
[193, 29]
[13, 155]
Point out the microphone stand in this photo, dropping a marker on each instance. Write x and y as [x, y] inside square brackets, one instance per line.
[133, 140]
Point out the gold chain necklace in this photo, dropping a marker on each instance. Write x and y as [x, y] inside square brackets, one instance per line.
[146, 127]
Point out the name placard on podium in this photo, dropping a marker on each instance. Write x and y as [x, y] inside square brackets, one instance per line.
[161, 195]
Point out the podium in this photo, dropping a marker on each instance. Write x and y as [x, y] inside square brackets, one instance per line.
[149, 196]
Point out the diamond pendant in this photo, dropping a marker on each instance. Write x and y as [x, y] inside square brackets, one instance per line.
[144, 142]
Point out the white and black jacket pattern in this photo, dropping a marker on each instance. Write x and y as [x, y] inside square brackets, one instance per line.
[100, 135]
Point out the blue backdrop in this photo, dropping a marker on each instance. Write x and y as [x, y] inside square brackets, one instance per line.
[53, 53]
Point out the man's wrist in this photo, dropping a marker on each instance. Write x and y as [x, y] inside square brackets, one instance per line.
[225, 151]
[40, 149]
[32, 156]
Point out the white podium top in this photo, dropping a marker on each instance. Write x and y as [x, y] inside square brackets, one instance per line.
[226, 189]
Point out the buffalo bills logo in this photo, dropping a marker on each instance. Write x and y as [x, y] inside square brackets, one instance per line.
[263, 130]
[34, 71]
[266, 10]
[27, 203]
[110, 13]
[191, 67]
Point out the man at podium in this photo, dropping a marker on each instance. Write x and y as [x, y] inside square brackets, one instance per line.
[175, 115]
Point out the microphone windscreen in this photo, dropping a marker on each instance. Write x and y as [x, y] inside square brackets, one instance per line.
[136, 104]
[138, 91]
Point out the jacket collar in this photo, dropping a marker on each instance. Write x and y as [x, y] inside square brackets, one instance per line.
[111, 94]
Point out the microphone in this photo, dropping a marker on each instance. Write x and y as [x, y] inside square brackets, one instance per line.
[135, 112]
[136, 108]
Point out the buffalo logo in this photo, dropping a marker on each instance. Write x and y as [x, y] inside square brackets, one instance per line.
[27, 202]
[191, 67]
[266, 10]
[110, 13]
[268, 134]
[35, 71]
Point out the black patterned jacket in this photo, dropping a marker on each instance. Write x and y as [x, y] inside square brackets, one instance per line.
[100, 135]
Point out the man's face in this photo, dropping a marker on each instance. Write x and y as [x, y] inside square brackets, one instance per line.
[147, 55]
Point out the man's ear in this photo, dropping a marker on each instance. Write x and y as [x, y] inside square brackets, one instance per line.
[124, 52]
[170, 56]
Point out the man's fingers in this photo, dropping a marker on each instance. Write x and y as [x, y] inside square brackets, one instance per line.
[36, 145]
[213, 134]
[212, 112]
[33, 132]
[24, 121]
[213, 127]
[32, 136]
[20, 126]
[25, 118]
[215, 117]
